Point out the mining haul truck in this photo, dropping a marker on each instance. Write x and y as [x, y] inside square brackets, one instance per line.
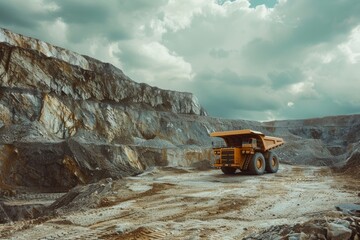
[247, 150]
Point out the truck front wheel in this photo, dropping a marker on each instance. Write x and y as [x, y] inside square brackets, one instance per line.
[257, 164]
[228, 170]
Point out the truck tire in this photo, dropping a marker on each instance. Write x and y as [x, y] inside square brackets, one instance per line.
[272, 163]
[257, 164]
[228, 170]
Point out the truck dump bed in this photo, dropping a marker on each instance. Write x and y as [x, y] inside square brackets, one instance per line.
[237, 138]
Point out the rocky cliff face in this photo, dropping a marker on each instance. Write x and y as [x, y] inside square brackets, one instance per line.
[67, 119]
[321, 141]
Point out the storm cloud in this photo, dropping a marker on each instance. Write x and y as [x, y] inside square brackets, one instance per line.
[256, 59]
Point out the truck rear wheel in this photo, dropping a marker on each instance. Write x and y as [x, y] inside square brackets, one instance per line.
[257, 164]
[228, 170]
[272, 163]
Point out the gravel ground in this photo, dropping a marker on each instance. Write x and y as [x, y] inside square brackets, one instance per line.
[184, 203]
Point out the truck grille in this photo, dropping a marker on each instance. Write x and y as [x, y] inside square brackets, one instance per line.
[227, 156]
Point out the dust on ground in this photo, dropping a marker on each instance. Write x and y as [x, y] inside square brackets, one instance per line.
[184, 203]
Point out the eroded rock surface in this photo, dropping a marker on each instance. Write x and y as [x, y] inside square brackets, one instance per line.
[67, 119]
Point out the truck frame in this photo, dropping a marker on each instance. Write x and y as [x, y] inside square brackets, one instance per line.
[248, 151]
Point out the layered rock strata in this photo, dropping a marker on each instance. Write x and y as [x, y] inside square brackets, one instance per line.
[67, 119]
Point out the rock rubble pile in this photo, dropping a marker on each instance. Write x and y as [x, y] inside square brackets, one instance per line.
[346, 228]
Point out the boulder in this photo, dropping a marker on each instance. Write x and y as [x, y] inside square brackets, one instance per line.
[338, 232]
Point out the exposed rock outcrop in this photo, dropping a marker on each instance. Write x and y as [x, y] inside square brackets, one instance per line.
[67, 119]
[351, 166]
[320, 141]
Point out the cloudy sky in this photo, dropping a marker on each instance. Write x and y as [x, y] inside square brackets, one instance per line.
[243, 59]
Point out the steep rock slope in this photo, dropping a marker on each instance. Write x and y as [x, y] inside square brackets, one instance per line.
[67, 119]
[320, 141]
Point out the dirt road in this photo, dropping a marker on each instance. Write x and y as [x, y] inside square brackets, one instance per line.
[181, 203]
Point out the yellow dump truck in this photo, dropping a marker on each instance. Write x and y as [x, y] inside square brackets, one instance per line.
[247, 150]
